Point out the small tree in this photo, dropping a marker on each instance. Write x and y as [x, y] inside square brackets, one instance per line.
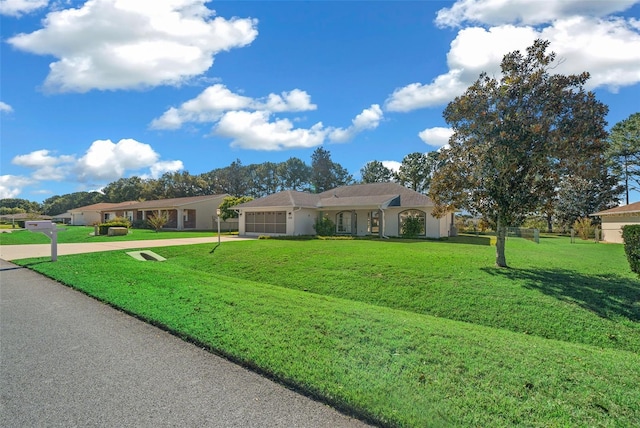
[226, 207]
[158, 220]
[584, 227]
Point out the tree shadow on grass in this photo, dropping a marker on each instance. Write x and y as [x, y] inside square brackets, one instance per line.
[609, 296]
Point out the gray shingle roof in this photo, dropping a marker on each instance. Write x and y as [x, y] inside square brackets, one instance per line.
[625, 209]
[358, 195]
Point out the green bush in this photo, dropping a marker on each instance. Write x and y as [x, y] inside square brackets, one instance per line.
[631, 236]
[412, 227]
[325, 227]
[103, 228]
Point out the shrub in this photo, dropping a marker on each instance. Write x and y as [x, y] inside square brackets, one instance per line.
[584, 228]
[412, 227]
[325, 227]
[115, 222]
[158, 220]
[631, 237]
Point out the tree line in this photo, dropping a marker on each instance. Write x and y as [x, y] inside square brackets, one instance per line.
[238, 180]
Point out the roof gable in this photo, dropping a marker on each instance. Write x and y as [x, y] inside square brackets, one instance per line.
[625, 209]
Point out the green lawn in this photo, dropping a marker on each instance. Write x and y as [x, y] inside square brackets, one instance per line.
[409, 333]
[80, 234]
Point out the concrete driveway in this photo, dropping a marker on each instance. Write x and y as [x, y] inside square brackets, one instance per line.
[16, 252]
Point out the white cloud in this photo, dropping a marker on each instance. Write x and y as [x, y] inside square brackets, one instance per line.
[392, 165]
[436, 136]
[11, 185]
[369, 119]
[45, 166]
[105, 160]
[20, 7]
[524, 12]
[295, 100]
[117, 44]
[159, 168]
[213, 102]
[254, 130]
[609, 49]
[5, 108]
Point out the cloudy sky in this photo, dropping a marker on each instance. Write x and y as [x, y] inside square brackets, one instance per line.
[99, 90]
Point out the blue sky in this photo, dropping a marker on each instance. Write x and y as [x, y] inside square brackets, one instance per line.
[99, 90]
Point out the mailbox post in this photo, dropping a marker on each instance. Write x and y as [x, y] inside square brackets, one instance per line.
[49, 229]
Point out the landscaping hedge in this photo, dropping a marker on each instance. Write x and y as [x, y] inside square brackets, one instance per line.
[631, 236]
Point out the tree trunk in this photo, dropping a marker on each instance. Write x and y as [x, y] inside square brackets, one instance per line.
[549, 223]
[501, 234]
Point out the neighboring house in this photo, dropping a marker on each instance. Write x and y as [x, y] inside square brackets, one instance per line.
[377, 209]
[20, 218]
[92, 214]
[64, 218]
[614, 219]
[195, 212]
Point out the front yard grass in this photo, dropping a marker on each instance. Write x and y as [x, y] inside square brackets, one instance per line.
[409, 333]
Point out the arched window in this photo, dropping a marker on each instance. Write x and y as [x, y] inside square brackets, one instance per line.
[346, 222]
[404, 215]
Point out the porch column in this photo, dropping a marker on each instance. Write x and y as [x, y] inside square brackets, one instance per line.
[180, 219]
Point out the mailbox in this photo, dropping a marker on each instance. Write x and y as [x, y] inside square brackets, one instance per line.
[39, 225]
[49, 229]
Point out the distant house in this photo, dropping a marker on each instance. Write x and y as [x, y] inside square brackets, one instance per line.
[64, 218]
[189, 213]
[20, 218]
[377, 209]
[92, 214]
[614, 219]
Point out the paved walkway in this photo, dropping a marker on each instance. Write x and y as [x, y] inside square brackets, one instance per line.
[69, 360]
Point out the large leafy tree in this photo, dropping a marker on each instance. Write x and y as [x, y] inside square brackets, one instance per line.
[514, 138]
[417, 169]
[326, 174]
[376, 172]
[623, 152]
[263, 179]
[294, 174]
[125, 189]
[580, 196]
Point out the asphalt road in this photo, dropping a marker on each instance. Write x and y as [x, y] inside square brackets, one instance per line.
[67, 360]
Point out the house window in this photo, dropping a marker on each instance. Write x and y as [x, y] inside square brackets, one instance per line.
[129, 215]
[413, 214]
[373, 222]
[266, 222]
[106, 217]
[344, 222]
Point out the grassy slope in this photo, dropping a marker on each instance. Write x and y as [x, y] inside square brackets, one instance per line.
[362, 336]
[81, 234]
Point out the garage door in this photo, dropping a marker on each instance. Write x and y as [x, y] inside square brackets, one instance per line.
[266, 222]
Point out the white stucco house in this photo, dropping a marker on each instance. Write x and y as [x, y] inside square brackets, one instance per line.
[376, 209]
[614, 219]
